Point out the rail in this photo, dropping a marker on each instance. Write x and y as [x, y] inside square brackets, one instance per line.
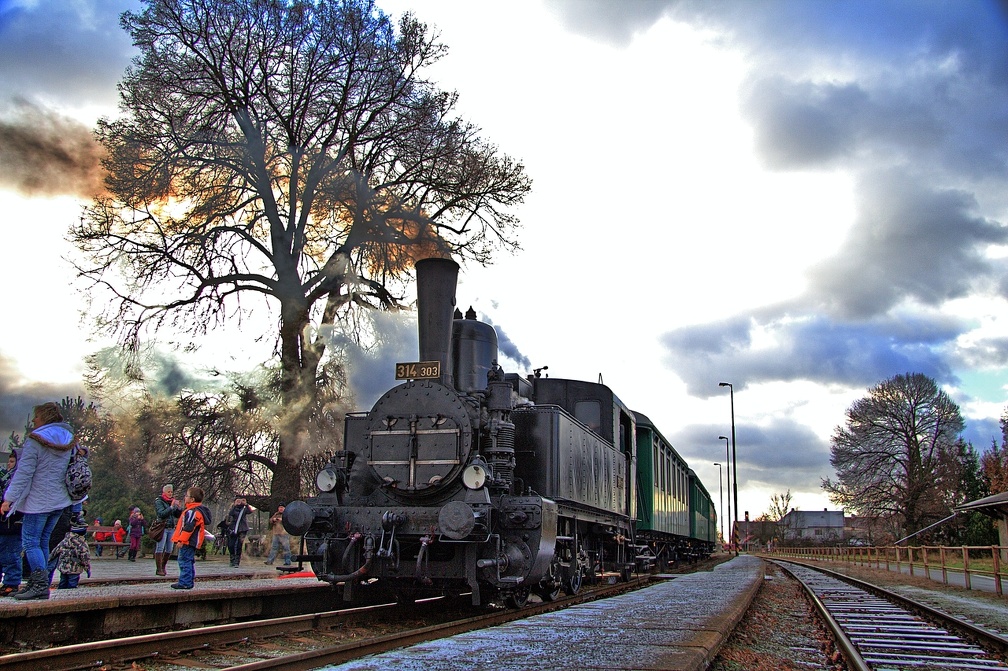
[956, 565]
[877, 629]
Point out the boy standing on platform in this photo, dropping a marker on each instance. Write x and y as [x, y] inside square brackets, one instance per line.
[189, 533]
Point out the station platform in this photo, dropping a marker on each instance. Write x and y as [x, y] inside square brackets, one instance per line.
[678, 624]
[123, 597]
[107, 570]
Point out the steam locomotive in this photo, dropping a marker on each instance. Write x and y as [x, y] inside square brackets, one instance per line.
[463, 478]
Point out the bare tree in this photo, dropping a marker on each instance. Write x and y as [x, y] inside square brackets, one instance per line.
[780, 505]
[288, 152]
[225, 441]
[891, 455]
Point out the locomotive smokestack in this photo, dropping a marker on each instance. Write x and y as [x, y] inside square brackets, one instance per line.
[436, 281]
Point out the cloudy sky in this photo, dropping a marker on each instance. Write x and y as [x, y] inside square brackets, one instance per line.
[799, 198]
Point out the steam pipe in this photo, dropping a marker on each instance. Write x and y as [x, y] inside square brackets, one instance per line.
[359, 573]
[369, 555]
[420, 573]
[349, 548]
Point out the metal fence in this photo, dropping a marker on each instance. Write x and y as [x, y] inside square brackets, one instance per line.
[963, 563]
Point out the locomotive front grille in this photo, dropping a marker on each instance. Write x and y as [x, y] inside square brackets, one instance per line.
[418, 437]
[417, 459]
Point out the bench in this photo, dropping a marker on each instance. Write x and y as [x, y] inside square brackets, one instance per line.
[118, 547]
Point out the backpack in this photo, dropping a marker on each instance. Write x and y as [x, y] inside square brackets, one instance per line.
[78, 475]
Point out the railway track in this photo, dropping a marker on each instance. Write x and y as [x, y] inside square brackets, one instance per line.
[298, 642]
[877, 630]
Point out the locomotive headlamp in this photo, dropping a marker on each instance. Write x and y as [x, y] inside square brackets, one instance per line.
[474, 476]
[328, 479]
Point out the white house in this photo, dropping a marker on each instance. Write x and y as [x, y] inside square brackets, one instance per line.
[812, 526]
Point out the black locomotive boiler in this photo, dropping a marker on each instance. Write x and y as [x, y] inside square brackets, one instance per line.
[465, 479]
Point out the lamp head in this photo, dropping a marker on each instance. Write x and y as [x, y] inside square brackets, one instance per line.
[723, 437]
[724, 384]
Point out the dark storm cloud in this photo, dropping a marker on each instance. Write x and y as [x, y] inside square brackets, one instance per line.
[935, 122]
[70, 52]
[783, 451]
[813, 124]
[985, 353]
[816, 349]
[909, 241]
[66, 55]
[45, 153]
[18, 397]
[798, 125]
[971, 34]
[613, 22]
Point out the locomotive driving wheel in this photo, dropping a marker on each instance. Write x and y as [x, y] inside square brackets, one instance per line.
[549, 587]
[405, 597]
[573, 583]
[549, 592]
[575, 572]
[517, 597]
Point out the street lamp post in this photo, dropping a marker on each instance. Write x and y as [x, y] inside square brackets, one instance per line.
[721, 490]
[728, 476]
[731, 390]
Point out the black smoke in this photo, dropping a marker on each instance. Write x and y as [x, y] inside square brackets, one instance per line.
[46, 154]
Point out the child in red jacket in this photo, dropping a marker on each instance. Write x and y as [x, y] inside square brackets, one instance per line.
[189, 533]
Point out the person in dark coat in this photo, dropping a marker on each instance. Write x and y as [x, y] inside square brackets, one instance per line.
[10, 536]
[237, 528]
[167, 509]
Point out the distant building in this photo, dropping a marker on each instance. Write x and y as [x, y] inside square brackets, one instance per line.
[861, 530]
[812, 527]
[756, 534]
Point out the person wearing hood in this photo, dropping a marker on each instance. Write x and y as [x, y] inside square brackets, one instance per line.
[71, 556]
[190, 531]
[135, 531]
[10, 536]
[38, 489]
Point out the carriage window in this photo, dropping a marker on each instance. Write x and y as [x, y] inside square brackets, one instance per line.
[668, 474]
[660, 465]
[626, 443]
[654, 461]
[589, 413]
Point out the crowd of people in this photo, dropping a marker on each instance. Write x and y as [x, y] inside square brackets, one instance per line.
[36, 497]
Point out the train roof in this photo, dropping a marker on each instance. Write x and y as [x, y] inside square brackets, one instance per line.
[643, 421]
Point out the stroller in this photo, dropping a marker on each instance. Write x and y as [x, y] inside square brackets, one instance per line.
[219, 546]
